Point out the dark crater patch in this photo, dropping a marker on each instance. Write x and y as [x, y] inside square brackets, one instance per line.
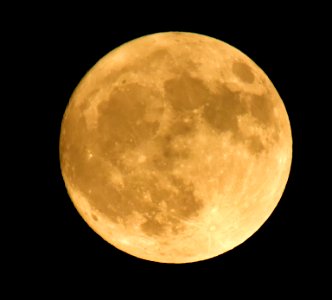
[147, 64]
[119, 204]
[120, 124]
[184, 124]
[92, 178]
[153, 227]
[222, 110]
[255, 145]
[181, 204]
[261, 108]
[169, 155]
[178, 203]
[243, 72]
[159, 55]
[94, 217]
[185, 204]
[185, 92]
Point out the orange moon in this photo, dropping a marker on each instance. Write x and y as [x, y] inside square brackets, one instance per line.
[175, 147]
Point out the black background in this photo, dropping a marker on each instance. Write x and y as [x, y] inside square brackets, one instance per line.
[59, 246]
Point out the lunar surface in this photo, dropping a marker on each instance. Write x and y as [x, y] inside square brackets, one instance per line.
[175, 147]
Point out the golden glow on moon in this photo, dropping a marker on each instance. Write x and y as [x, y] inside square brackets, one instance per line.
[175, 147]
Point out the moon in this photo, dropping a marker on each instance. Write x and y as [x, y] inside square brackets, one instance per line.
[175, 147]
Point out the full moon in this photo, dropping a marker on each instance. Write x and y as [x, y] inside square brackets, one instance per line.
[175, 147]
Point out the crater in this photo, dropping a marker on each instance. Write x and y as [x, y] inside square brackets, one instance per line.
[223, 109]
[255, 145]
[118, 204]
[261, 108]
[243, 72]
[156, 59]
[161, 164]
[185, 205]
[152, 227]
[185, 124]
[94, 217]
[171, 150]
[168, 206]
[109, 202]
[185, 92]
[121, 124]
[179, 202]
[159, 55]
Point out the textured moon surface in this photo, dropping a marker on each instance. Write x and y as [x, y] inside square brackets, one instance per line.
[175, 147]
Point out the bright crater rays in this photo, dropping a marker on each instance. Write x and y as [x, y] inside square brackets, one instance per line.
[175, 147]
